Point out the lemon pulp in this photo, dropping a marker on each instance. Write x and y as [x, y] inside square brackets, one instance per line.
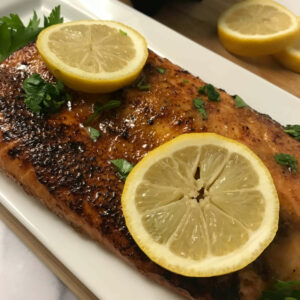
[201, 205]
[93, 56]
[257, 27]
[290, 56]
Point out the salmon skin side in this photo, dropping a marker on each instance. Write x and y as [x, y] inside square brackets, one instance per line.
[55, 160]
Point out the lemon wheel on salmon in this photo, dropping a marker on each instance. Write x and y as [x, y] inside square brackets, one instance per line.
[257, 27]
[201, 205]
[93, 56]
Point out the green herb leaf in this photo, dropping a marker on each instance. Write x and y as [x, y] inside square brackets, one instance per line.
[41, 96]
[282, 290]
[287, 160]
[14, 34]
[293, 130]
[54, 17]
[142, 85]
[161, 70]
[199, 104]
[123, 32]
[98, 108]
[286, 285]
[210, 91]
[123, 167]
[185, 81]
[239, 102]
[94, 133]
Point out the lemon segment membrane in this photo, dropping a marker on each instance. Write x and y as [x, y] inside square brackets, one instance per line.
[257, 27]
[93, 56]
[201, 205]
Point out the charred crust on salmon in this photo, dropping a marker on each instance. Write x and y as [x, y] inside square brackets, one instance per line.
[54, 158]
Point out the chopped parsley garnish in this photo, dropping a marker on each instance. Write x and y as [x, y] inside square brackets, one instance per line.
[98, 108]
[142, 85]
[123, 32]
[239, 102]
[123, 167]
[210, 91]
[287, 160]
[185, 81]
[282, 290]
[94, 133]
[293, 130]
[41, 96]
[199, 104]
[14, 34]
[161, 70]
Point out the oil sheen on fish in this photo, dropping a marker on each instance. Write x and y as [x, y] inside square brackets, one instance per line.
[53, 157]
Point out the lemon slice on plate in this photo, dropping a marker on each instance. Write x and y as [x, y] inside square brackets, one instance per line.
[290, 56]
[93, 56]
[257, 27]
[201, 205]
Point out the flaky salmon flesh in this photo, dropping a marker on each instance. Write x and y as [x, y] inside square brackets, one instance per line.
[53, 157]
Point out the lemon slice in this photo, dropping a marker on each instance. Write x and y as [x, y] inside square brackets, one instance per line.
[257, 27]
[201, 205]
[290, 56]
[93, 56]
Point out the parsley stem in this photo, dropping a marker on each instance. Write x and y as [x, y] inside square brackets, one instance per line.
[99, 108]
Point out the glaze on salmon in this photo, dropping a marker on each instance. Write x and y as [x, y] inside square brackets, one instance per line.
[55, 160]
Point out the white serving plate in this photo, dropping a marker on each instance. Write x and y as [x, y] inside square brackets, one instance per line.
[103, 273]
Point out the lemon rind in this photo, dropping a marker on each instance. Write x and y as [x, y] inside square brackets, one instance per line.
[90, 82]
[252, 45]
[210, 266]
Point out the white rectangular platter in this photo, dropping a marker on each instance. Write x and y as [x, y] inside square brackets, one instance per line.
[103, 273]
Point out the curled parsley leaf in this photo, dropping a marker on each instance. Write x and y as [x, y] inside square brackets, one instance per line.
[210, 91]
[123, 167]
[199, 104]
[287, 160]
[41, 96]
[293, 131]
[15, 35]
[98, 108]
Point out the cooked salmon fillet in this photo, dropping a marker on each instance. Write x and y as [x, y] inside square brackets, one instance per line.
[53, 157]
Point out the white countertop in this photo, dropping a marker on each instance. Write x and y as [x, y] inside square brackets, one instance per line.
[23, 276]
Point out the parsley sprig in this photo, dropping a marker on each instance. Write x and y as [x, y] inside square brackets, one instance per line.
[199, 104]
[14, 34]
[210, 91]
[282, 290]
[41, 96]
[287, 160]
[123, 167]
[98, 108]
[293, 131]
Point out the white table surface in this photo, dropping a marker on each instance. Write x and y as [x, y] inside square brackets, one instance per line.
[23, 276]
